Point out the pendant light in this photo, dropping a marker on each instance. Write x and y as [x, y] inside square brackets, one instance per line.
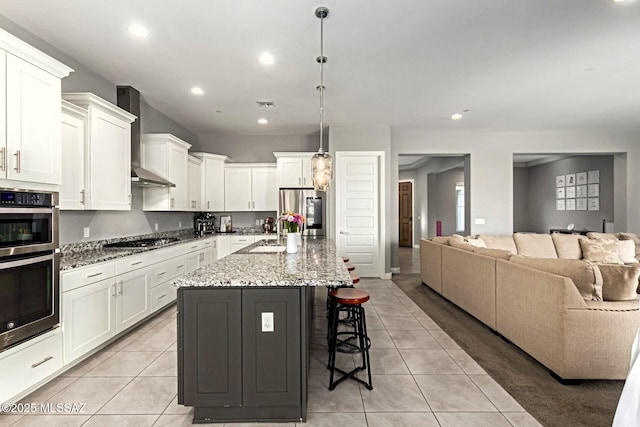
[321, 162]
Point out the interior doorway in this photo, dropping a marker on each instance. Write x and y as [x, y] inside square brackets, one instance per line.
[405, 213]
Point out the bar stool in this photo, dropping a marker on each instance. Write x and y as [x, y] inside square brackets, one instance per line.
[353, 341]
[350, 267]
[345, 259]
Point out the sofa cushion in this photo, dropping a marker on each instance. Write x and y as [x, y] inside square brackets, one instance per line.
[631, 305]
[567, 245]
[442, 240]
[457, 243]
[535, 245]
[499, 242]
[494, 253]
[478, 243]
[584, 275]
[627, 251]
[619, 282]
[605, 236]
[600, 250]
[634, 238]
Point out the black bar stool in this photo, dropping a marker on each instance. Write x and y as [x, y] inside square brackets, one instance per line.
[353, 341]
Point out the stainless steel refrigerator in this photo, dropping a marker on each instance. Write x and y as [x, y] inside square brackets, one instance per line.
[308, 203]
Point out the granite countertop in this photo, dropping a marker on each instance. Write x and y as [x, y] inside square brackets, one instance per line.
[317, 263]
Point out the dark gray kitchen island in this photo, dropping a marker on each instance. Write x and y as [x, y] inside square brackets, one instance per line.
[244, 331]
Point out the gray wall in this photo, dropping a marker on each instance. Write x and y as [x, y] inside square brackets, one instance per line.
[108, 224]
[520, 199]
[541, 201]
[444, 199]
[257, 148]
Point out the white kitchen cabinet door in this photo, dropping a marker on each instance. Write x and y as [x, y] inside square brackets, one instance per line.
[109, 162]
[166, 156]
[212, 181]
[179, 175]
[264, 189]
[133, 302]
[193, 261]
[289, 172]
[72, 191]
[88, 317]
[224, 246]
[241, 242]
[237, 189]
[195, 184]
[307, 172]
[33, 150]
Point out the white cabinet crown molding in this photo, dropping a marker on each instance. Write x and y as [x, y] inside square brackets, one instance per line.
[203, 155]
[73, 109]
[249, 165]
[86, 99]
[23, 50]
[279, 154]
[195, 160]
[164, 137]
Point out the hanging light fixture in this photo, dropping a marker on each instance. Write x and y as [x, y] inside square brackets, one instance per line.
[321, 162]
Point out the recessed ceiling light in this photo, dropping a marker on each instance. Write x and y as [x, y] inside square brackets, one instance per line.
[618, 1]
[197, 91]
[456, 116]
[267, 58]
[138, 30]
[263, 121]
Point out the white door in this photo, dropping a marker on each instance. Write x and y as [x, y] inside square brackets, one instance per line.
[237, 189]
[195, 181]
[179, 175]
[290, 172]
[88, 317]
[213, 185]
[72, 194]
[33, 123]
[133, 301]
[358, 211]
[264, 189]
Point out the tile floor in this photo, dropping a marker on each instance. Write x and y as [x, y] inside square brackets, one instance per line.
[421, 378]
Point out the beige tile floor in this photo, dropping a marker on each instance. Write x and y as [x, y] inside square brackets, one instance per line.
[421, 378]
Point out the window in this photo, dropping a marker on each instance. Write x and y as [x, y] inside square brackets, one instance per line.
[459, 206]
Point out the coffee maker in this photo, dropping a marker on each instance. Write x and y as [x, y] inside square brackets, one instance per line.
[269, 225]
[204, 223]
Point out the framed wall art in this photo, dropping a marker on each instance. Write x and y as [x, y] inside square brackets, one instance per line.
[581, 178]
[594, 190]
[581, 204]
[581, 191]
[570, 192]
[571, 204]
[570, 179]
[594, 204]
[593, 177]
[560, 205]
[560, 193]
[560, 181]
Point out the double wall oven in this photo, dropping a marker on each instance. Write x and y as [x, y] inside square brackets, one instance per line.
[29, 265]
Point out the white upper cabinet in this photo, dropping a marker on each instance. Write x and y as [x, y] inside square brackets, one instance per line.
[167, 156]
[212, 187]
[107, 154]
[72, 190]
[250, 187]
[294, 169]
[29, 115]
[195, 183]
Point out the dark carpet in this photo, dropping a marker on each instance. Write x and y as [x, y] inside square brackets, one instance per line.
[591, 403]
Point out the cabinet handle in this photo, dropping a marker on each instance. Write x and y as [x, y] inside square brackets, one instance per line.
[162, 296]
[304, 180]
[162, 273]
[120, 290]
[93, 275]
[249, 203]
[172, 202]
[201, 257]
[194, 247]
[17, 168]
[180, 266]
[299, 181]
[113, 290]
[253, 205]
[46, 359]
[207, 204]
[136, 263]
[3, 163]
[129, 199]
[82, 197]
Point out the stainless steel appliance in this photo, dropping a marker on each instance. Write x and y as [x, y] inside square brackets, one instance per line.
[29, 265]
[269, 225]
[310, 204]
[204, 223]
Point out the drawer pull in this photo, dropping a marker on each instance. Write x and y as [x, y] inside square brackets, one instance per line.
[194, 247]
[162, 296]
[136, 263]
[46, 359]
[180, 266]
[94, 275]
[162, 273]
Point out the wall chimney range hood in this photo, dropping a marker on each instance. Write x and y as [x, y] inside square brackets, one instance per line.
[129, 100]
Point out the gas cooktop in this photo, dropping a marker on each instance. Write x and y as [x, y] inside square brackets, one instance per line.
[142, 243]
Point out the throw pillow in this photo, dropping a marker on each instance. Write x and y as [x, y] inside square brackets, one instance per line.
[633, 237]
[584, 275]
[499, 242]
[456, 243]
[605, 236]
[619, 282]
[535, 245]
[567, 245]
[440, 240]
[478, 243]
[627, 251]
[600, 250]
[494, 253]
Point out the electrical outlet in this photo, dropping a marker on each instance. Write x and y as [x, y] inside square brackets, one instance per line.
[479, 221]
[267, 322]
[86, 231]
[155, 226]
[257, 222]
[179, 224]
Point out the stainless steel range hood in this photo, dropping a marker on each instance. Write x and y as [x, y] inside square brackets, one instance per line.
[129, 100]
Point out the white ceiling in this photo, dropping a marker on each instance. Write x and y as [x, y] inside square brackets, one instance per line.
[517, 65]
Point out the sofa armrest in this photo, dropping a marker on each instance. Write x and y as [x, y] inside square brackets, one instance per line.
[431, 264]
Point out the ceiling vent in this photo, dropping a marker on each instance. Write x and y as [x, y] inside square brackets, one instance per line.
[266, 104]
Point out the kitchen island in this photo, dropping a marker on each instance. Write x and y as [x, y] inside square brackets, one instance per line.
[244, 331]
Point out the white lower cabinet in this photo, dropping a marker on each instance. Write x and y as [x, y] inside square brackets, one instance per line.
[201, 254]
[133, 301]
[224, 246]
[162, 295]
[241, 242]
[26, 365]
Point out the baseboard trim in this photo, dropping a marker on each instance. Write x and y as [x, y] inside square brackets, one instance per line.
[386, 276]
[416, 246]
[395, 270]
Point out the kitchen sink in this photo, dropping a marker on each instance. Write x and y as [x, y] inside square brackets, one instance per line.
[268, 249]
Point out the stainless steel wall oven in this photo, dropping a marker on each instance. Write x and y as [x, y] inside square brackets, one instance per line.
[29, 265]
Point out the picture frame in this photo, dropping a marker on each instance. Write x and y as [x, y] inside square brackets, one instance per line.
[594, 204]
[593, 177]
[594, 190]
[581, 178]
[570, 179]
[581, 204]
[570, 192]
[581, 191]
[560, 181]
[560, 193]
[560, 205]
[571, 204]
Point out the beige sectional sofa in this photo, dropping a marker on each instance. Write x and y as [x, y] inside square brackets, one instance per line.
[556, 316]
